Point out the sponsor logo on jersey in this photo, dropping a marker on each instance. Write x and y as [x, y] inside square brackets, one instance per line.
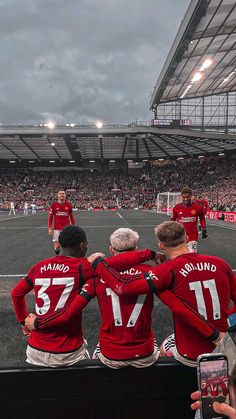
[187, 219]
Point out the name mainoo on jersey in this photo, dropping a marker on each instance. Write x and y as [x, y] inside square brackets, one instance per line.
[201, 266]
[55, 267]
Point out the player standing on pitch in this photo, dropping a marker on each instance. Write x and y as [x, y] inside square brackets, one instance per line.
[188, 213]
[60, 216]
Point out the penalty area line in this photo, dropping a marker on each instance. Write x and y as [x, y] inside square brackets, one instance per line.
[11, 276]
[119, 215]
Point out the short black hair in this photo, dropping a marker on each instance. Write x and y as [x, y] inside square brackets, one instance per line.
[186, 191]
[72, 236]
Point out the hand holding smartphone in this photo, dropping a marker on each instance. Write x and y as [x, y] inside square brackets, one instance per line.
[213, 383]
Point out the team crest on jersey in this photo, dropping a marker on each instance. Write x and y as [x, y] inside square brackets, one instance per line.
[66, 208]
[193, 211]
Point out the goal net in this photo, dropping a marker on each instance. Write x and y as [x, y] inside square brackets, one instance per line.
[166, 201]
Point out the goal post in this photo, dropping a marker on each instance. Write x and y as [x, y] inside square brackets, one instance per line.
[166, 201]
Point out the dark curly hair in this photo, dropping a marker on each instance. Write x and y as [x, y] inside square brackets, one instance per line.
[72, 236]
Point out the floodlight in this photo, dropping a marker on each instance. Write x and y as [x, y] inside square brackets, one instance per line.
[53, 144]
[50, 125]
[72, 125]
[197, 76]
[99, 124]
[206, 64]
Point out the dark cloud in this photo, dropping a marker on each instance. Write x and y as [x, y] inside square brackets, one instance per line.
[80, 60]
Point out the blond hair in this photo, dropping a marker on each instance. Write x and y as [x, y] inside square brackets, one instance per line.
[170, 233]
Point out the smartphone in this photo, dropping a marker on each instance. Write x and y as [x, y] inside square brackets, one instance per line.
[213, 383]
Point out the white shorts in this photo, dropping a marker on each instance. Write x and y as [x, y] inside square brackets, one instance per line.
[53, 360]
[56, 235]
[192, 246]
[169, 348]
[137, 363]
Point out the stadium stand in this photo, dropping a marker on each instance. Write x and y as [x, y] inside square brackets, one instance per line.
[93, 391]
[213, 176]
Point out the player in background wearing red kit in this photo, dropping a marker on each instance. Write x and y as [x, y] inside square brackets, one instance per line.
[202, 202]
[60, 215]
[202, 282]
[189, 213]
[56, 281]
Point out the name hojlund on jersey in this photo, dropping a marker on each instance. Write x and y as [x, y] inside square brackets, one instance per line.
[200, 266]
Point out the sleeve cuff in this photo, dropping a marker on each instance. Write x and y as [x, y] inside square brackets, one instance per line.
[36, 324]
[153, 254]
[96, 262]
[215, 335]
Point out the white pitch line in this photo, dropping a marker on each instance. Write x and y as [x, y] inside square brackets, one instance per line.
[119, 215]
[15, 216]
[11, 276]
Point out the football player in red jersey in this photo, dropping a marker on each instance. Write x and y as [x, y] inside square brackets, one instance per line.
[56, 281]
[126, 335]
[60, 215]
[203, 283]
[188, 213]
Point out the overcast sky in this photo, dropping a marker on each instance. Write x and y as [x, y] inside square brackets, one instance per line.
[83, 60]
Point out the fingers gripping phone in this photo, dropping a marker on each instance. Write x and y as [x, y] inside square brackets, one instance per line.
[213, 383]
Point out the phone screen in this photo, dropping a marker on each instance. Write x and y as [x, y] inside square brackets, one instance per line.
[214, 385]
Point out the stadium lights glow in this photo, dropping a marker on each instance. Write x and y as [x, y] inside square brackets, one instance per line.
[221, 154]
[200, 157]
[99, 124]
[180, 158]
[50, 125]
[71, 161]
[160, 159]
[145, 159]
[228, 77]
[206, 64]
[112, 161]
[72, 125]
[31, 161]
[186, 91]
[12, 161]
[197, 76]
[91, 161]
[53, 144]
[51, 161]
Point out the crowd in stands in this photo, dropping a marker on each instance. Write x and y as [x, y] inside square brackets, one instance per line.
[212, 177]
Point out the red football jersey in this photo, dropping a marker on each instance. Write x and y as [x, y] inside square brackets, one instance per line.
[61, 215]
[188, 216]
[126, 330]
[204, 388]
[56, 281]
[204, 283]
[224, 385]
[203, 203]
[214, 386]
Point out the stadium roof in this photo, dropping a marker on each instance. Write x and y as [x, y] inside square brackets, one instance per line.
[128, 143]
[202, 59]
